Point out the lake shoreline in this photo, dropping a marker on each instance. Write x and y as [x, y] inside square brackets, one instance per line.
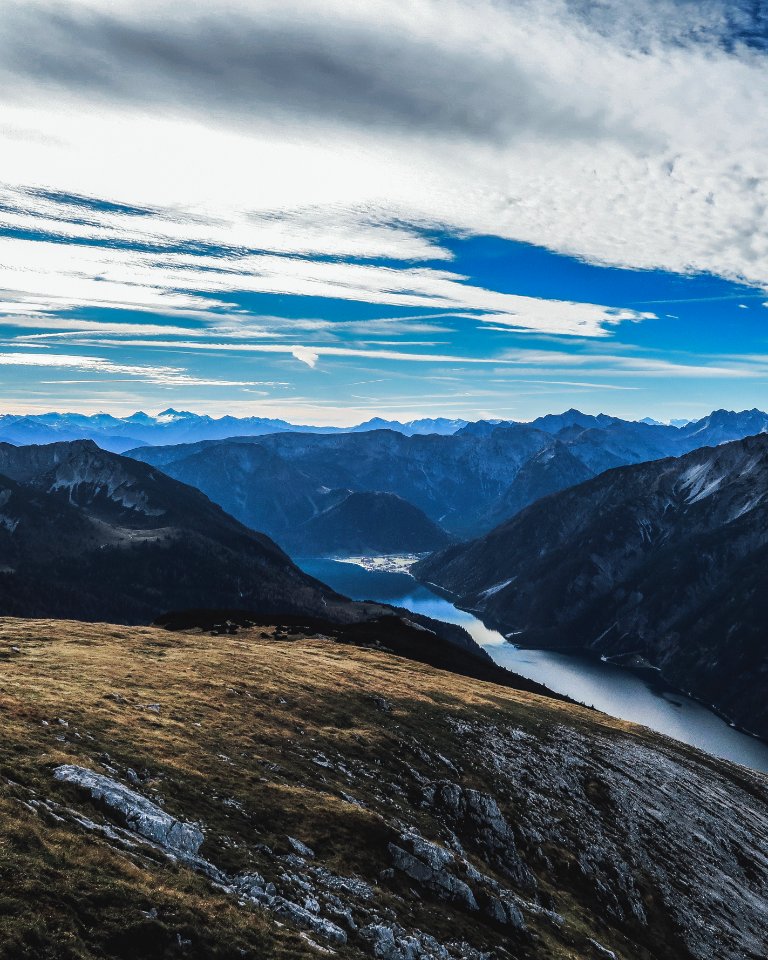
[629, 692]
[647, 670]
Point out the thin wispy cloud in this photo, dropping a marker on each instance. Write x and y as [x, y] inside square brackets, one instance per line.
[184, 284]
[306, 354]
[151, 374]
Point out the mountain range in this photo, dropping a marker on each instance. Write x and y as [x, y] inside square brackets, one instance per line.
[119, 434]
[464, 483]
[182, 426]
[660, 563]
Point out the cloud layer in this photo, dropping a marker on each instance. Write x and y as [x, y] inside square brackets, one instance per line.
[163, 161]
[635, 145]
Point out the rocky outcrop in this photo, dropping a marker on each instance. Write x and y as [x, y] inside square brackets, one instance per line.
[253, 887]
[451, 877]
[150, 822]
[331, 902]
[430, 865]
[477, 816]
[392, 942]
[132, 810]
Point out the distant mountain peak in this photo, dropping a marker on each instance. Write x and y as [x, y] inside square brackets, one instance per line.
[171, 414]
[552, 422]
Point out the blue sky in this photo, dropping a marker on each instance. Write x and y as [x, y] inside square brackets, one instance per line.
[325, 212]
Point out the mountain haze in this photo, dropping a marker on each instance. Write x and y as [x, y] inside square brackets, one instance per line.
[178, 426]
[465, 483]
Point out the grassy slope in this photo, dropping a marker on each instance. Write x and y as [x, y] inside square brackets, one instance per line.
[241, 722]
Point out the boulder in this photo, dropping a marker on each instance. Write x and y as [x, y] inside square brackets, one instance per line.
[309, 921]
[476, 816]
[134, 811]
[301, 848]
[427, 863]
[504, 912]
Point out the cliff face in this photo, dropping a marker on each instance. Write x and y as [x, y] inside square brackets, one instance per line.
[272, 793]
[665, 560]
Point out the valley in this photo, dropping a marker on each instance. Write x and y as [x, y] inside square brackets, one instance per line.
[140, 544]
[660, 562]
[638, 696]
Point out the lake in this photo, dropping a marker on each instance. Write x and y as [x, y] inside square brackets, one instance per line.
[614, 690]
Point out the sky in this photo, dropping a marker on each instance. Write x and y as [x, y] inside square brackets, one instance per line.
[327, 210]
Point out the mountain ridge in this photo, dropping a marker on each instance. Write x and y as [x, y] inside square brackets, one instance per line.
[661, 560]
[466, 482]
[111, 534]
[119, 434]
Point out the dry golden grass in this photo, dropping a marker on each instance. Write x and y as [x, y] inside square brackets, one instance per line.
[240, 723]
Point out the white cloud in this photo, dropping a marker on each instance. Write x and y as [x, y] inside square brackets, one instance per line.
[307, 232]
[174, 376]
[46, 275]
[60, 327]
[306, 355]
[627, 144]
[721, 367]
